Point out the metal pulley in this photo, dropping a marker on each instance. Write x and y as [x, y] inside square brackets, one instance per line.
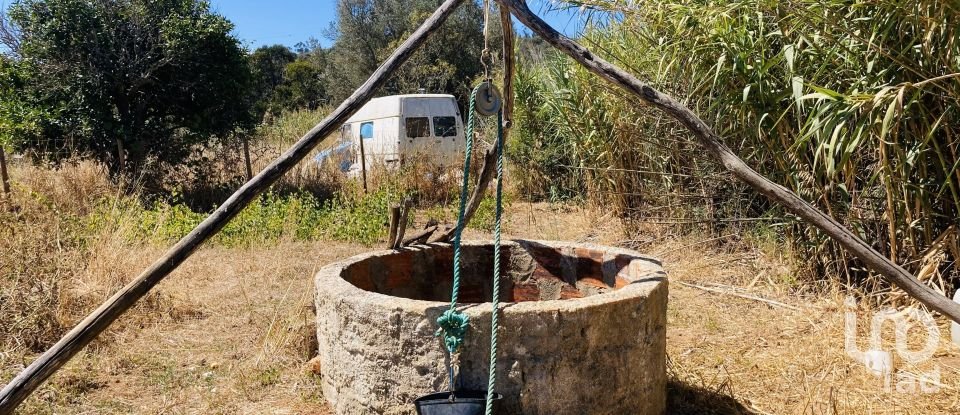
[489, 100]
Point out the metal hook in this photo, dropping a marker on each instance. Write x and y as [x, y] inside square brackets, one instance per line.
[452, 362]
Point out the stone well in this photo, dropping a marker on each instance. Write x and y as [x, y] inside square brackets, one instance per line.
[583, 328]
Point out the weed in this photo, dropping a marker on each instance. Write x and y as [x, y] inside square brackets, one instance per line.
[485, 216]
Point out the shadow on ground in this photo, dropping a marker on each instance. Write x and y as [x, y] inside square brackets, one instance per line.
[687, 399]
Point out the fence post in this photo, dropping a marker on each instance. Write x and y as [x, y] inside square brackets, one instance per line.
[3, 172]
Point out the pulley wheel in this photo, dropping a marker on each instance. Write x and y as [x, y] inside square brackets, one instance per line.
[488, 100]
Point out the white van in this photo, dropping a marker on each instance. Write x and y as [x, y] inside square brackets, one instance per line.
[398, 128]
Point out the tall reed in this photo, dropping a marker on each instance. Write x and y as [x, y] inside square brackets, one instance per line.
[851, 103]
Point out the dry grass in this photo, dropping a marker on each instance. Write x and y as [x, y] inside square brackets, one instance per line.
[232, 330]
[235, 339]
[74, 187]
[730, 355]
[776, 360]
[41, 256]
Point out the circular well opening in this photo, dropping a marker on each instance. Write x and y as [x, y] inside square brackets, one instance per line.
[530, 271]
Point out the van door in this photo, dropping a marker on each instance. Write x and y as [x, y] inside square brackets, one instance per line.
[389, 138]
[420, 141]
[449, 125]
[446, 128]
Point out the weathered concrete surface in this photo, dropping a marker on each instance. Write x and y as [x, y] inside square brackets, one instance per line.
[584, 333]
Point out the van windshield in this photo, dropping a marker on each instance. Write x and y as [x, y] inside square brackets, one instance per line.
[418, 127]
[444, 126]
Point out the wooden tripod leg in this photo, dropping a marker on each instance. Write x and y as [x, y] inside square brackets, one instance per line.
[53, 359]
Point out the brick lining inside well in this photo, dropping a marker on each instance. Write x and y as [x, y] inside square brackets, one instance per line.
[530, 272]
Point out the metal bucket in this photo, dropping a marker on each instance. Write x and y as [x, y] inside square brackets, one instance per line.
[455, 403]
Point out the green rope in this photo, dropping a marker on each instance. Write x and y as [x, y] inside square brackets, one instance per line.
[494, 315]
[453, 324]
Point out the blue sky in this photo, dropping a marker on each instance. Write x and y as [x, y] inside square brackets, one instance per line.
[287, 22]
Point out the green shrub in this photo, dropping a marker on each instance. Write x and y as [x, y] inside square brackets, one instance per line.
[357, 217]
[486, 214]
[270, 218]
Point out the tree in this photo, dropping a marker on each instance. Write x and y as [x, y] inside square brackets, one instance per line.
[19, 120]
[302, 87]
[267, 65]
[11, 108]
[368, 30]
[286, 80]
[131, 79]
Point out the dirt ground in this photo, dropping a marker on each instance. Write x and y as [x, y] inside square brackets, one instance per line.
[234, 333]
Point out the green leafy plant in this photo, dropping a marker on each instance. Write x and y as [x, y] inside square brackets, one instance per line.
[846, 102]
[130, 80]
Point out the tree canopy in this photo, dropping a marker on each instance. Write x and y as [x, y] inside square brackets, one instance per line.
[367, 31]
[364, 35]
[267, 65]
[285, 80]
[129, 79]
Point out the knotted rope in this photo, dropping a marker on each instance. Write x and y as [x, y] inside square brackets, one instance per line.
[453, 323]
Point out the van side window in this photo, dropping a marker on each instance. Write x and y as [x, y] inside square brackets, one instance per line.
[418, 127]
[366, 130]
[444, 126]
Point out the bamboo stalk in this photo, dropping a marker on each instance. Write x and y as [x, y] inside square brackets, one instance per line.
[53, 359]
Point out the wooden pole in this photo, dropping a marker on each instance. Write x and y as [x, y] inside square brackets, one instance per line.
[490, 157]
[121, 156]
[402, 223]
[733, 163]
[363, 164]
[30, 378]
[394, 224]
[483, 182]
[3, 172]
[509, 67]
[419, 237]
[246, 156]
